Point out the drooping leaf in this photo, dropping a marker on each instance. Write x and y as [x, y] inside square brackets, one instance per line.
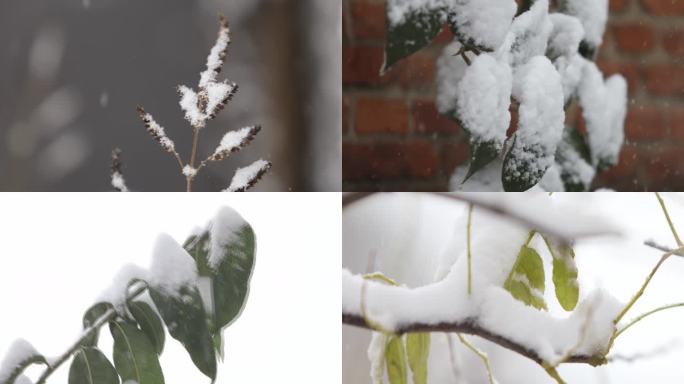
[417, 351]
[90, 317]
[185, 318]
[395, 360]
[564, 273]
[91, 366]
[233, 270]
[134, 355]
[149, 322]
[413, 32]
[21, 354]
[526, 280]
[481, 154]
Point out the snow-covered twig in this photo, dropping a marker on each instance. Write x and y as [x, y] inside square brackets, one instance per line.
[118, 181]
[246, 177]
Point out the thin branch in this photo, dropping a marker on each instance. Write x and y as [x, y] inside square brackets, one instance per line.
[644, 315]
[102, 320]
[669, 221]
[193, 155]
[673, 251]
[471, 327]
[480, 354]
[661, 350]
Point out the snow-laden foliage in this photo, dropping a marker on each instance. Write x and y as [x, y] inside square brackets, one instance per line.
[493, 57]
[199, 106]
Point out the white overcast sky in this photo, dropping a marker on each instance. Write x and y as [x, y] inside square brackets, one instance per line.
[404, 230]
[59, 251]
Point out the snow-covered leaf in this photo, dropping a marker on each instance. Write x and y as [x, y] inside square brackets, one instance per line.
[20, 355]
[573, 161]
[149, 322]
[395, 358]
[225, 251]
[566, 35]
[530, 33]
[481, 154]
[564, 273]
[91, 366]
[593, 15]
[417, 352]
[482, 24]
[217, 55]
[185, 318]
[134, 355]
[526, 280]
[537, 86]
[412, 31]
[90, 317]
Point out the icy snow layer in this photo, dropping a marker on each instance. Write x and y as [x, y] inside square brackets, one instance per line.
[399, 10]
[530, 33]
[566, 36]
[483, 99]
[593, 14]
[483, 23]
[18, 352]
[604, 107]
[541, 116]
[172, 266]
[117, 292]
[224, 230]
[495, 245]
[450, 70]
[246, 175]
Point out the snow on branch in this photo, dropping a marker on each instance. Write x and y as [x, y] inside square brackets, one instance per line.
[156, 131]
[217, 55]
[246, 177]
[118, 181]
[234, 141]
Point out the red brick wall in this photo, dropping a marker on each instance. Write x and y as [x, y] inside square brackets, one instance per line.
[394, 139]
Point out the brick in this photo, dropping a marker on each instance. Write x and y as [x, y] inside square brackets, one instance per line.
[623, 176]
[634, 38]
[664, 7]
[388, 160]
[629, 71]
[444, 36]
[415, 70]
[426, 119]
[664, 79]
[346, 106]
[618, 5]
[381, 116]
[673, 42]
[368, 19]
[361, 65]
[665, 168]
[676, 117]
[455, 153]
[646, 123]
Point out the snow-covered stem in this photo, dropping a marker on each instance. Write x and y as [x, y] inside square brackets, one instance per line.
[644, 315]
[472, 327]
[102, 320]
[247, 177]
[669, 221]
[159, 135]
[118, 181]
[675, 252]
[483, 356]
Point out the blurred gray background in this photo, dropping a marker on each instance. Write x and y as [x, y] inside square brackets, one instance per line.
[73, 71]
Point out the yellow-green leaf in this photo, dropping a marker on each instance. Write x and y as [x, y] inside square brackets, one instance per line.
[395, 358]
[564, 273]
[417, 351]
[526, 280]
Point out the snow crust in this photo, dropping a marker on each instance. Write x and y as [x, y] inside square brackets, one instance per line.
[117, 291]
[483, 22]
[224, 230]
[593, 15]
[483, 99]
[604, 107]
[19, 351]
[541, 116]
[450, 71]
[172, 266]
[495, 242]
[245, 176]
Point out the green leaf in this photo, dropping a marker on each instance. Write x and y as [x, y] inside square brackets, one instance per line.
[417, 350]
[395, 360]
[149, 323]
[90, 317]
[526, 280]
[481, 154]
[18, 366]
[91, 366]
[230, 278]
[415, 32]
[185, 318]
[564, 273]
[134, 355]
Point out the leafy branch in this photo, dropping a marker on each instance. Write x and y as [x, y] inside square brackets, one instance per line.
[199, 107]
